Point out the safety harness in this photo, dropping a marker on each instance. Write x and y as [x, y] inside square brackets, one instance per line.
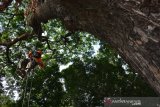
[26, 65]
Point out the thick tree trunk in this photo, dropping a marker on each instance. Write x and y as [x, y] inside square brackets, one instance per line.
[132, 27]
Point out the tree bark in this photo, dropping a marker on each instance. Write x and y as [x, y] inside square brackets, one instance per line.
[132, 27]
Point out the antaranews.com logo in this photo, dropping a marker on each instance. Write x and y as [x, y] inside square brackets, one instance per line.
[131, 101]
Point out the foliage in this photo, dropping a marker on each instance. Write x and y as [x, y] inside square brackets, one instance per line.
[5, 101]
[98, 78]
[89, 79]
[46, 89]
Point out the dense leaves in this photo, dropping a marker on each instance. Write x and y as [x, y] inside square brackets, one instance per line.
[98, 78]
[91, 76]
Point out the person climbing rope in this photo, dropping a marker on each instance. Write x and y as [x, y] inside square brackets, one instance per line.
[36, 56]
[26, 65]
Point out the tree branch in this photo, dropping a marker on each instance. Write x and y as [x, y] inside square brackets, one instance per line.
[8, 44]
[24, 36]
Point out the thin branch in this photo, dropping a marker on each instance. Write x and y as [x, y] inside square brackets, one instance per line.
[45, 39]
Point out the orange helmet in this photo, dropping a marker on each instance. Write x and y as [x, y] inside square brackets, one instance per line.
[39, 51]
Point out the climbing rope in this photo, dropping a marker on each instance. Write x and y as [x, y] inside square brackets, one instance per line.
[30, 87]
[25, 91]
[29, 69]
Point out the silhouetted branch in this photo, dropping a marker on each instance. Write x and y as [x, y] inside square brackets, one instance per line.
[24, 36]
[45, 39]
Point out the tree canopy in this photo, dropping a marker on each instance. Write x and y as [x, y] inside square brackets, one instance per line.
[95, 70]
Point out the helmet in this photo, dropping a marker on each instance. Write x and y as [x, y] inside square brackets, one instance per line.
[39, 51]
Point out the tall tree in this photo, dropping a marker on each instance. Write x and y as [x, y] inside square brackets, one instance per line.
[131, 27]
[120, 23]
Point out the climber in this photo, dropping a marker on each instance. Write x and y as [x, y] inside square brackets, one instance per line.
[26, 65]
[36, 57]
